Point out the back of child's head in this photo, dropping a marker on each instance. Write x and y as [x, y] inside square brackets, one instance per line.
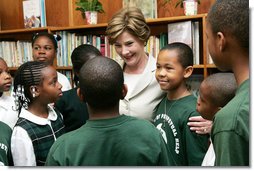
[222, 87]
[185, 53]
[54, 38]
[231, 17]
[101, 82]
[27, 75]
[81, 55]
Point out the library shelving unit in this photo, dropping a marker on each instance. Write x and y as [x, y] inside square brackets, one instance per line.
[62, 17]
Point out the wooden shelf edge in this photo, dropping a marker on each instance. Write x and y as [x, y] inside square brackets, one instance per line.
[24, 30]
[176, 18]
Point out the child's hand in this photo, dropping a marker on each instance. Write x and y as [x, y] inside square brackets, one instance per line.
[200, 125]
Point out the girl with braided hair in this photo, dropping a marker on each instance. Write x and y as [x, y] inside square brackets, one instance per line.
[39, 124]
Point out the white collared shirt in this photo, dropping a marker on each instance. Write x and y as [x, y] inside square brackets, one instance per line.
[7, 114]
[21, 145]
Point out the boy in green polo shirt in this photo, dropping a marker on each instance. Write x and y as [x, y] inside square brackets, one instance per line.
[108, 138]
[228, 43]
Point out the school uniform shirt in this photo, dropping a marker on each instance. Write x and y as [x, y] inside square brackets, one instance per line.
[5, 143]
[230, 131]
[209, 158]
[73, 110]
[187, 147]
[7, 113]
[63, 80]
[144, 93]
[29, 134]
[118, 141]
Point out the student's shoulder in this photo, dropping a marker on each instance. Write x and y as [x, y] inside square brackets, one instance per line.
[4, 127]
[140, 124]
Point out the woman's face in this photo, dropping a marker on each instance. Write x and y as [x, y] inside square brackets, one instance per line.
[44, 50]
[130, 48]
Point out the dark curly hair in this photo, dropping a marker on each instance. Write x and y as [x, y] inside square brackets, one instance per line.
[27, 75]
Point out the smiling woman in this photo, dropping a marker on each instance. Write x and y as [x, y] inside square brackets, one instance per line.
[129, 32]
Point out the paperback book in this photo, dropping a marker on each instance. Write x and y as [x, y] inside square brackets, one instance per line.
[34, 13]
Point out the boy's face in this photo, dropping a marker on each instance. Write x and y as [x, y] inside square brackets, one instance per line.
[5, 77]
[43, 50]
[50, 90]
[204, 105]
[169, 72]
[130, 48]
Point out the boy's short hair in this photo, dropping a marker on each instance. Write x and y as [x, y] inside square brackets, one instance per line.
[231, 17]
[101, 82]
[185, 53]
[222, 86]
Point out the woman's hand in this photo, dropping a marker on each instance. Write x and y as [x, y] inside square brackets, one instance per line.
[200, 125]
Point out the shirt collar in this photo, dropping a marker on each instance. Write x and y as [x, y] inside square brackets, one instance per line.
[36, 119]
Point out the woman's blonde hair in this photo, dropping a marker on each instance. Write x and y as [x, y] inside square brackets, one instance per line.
[129, 19]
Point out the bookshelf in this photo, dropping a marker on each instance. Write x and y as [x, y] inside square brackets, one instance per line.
[63, 17]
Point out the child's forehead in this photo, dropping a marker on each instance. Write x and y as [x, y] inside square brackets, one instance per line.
[168, 55]
[44, 39]
[3, 64]
[48, 69]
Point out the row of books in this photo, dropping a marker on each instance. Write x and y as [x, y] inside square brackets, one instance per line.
[72, 40]
[16, 53]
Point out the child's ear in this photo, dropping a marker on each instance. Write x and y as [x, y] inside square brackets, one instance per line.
[188, 71]
[124, 91]
[221, 41]
[34, 90]
[80, 95]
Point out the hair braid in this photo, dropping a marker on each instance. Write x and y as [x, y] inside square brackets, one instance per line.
[27, 75]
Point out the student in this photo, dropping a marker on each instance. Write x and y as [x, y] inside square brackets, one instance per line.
[223, 86]
[8, 117]
[38, 126]
[108, 138]
[227, 33]
[7, 114]
[45, 49]
[73, 110]
[5, 144]
[174, 67]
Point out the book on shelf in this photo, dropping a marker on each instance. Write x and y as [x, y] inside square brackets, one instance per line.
[186, 32]
[34, 13]
[148, 7]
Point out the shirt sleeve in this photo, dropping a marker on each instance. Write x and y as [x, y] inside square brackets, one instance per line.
[22, 148]
[228, 145]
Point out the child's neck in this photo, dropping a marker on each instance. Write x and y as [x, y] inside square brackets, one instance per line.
[103, 114]
[177, 94]
[38, 110]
